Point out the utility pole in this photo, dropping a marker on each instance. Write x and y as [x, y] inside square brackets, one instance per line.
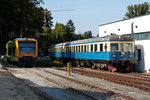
[132, 29]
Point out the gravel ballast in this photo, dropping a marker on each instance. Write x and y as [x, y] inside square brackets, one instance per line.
[12, 88]
[60, 93]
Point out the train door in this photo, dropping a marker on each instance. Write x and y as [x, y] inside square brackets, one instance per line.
[13, 52]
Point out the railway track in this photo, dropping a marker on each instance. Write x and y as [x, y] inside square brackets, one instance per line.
[141, 76]
[134, 80]
[65, 86]
[129, 81]
[41, 73]
[89, 85]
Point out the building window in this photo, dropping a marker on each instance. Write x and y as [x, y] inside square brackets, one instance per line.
[139, 36]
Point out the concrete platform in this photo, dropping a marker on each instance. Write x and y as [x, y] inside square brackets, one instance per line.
[12, 88]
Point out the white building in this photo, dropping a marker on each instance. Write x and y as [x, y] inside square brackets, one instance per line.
[139, 28]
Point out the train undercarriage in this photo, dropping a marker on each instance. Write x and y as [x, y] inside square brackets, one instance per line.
[120, 65]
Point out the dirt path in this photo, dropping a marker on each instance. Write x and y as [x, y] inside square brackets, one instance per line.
[12, 88]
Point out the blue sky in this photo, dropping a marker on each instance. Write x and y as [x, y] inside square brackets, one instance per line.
[89, 14]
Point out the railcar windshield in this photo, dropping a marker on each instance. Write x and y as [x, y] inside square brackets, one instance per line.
[27, 46]
[114, 46]
[129, 46]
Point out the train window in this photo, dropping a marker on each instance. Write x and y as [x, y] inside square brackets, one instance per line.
[73, 48]
[61, 49]
[122, 47]
[78, 48]
[84, 48]
[95, 47]
[114, 46]
[105, 46]
[91, 47]
[129, 46]
[70, 49]
[66, 49]
[101, 47]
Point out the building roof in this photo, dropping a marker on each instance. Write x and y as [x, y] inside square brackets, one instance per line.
[125, 19]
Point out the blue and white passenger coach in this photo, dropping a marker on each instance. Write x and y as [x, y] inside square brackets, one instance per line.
[111, 52]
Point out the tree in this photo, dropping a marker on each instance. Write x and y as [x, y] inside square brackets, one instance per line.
[19, 18]
[87, 34]
[137, 10]
[70, 26]
[49, 18]
[61, 32]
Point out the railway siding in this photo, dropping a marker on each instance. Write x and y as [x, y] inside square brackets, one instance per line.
[65, 87]
[12, 88]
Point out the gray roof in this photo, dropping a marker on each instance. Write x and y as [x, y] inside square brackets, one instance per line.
[106, 38]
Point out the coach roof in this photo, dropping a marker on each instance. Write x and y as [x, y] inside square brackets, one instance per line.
[106, 38]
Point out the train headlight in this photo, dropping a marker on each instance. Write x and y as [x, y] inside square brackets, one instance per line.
[113, 55]
[130, 55]
[122, 54]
